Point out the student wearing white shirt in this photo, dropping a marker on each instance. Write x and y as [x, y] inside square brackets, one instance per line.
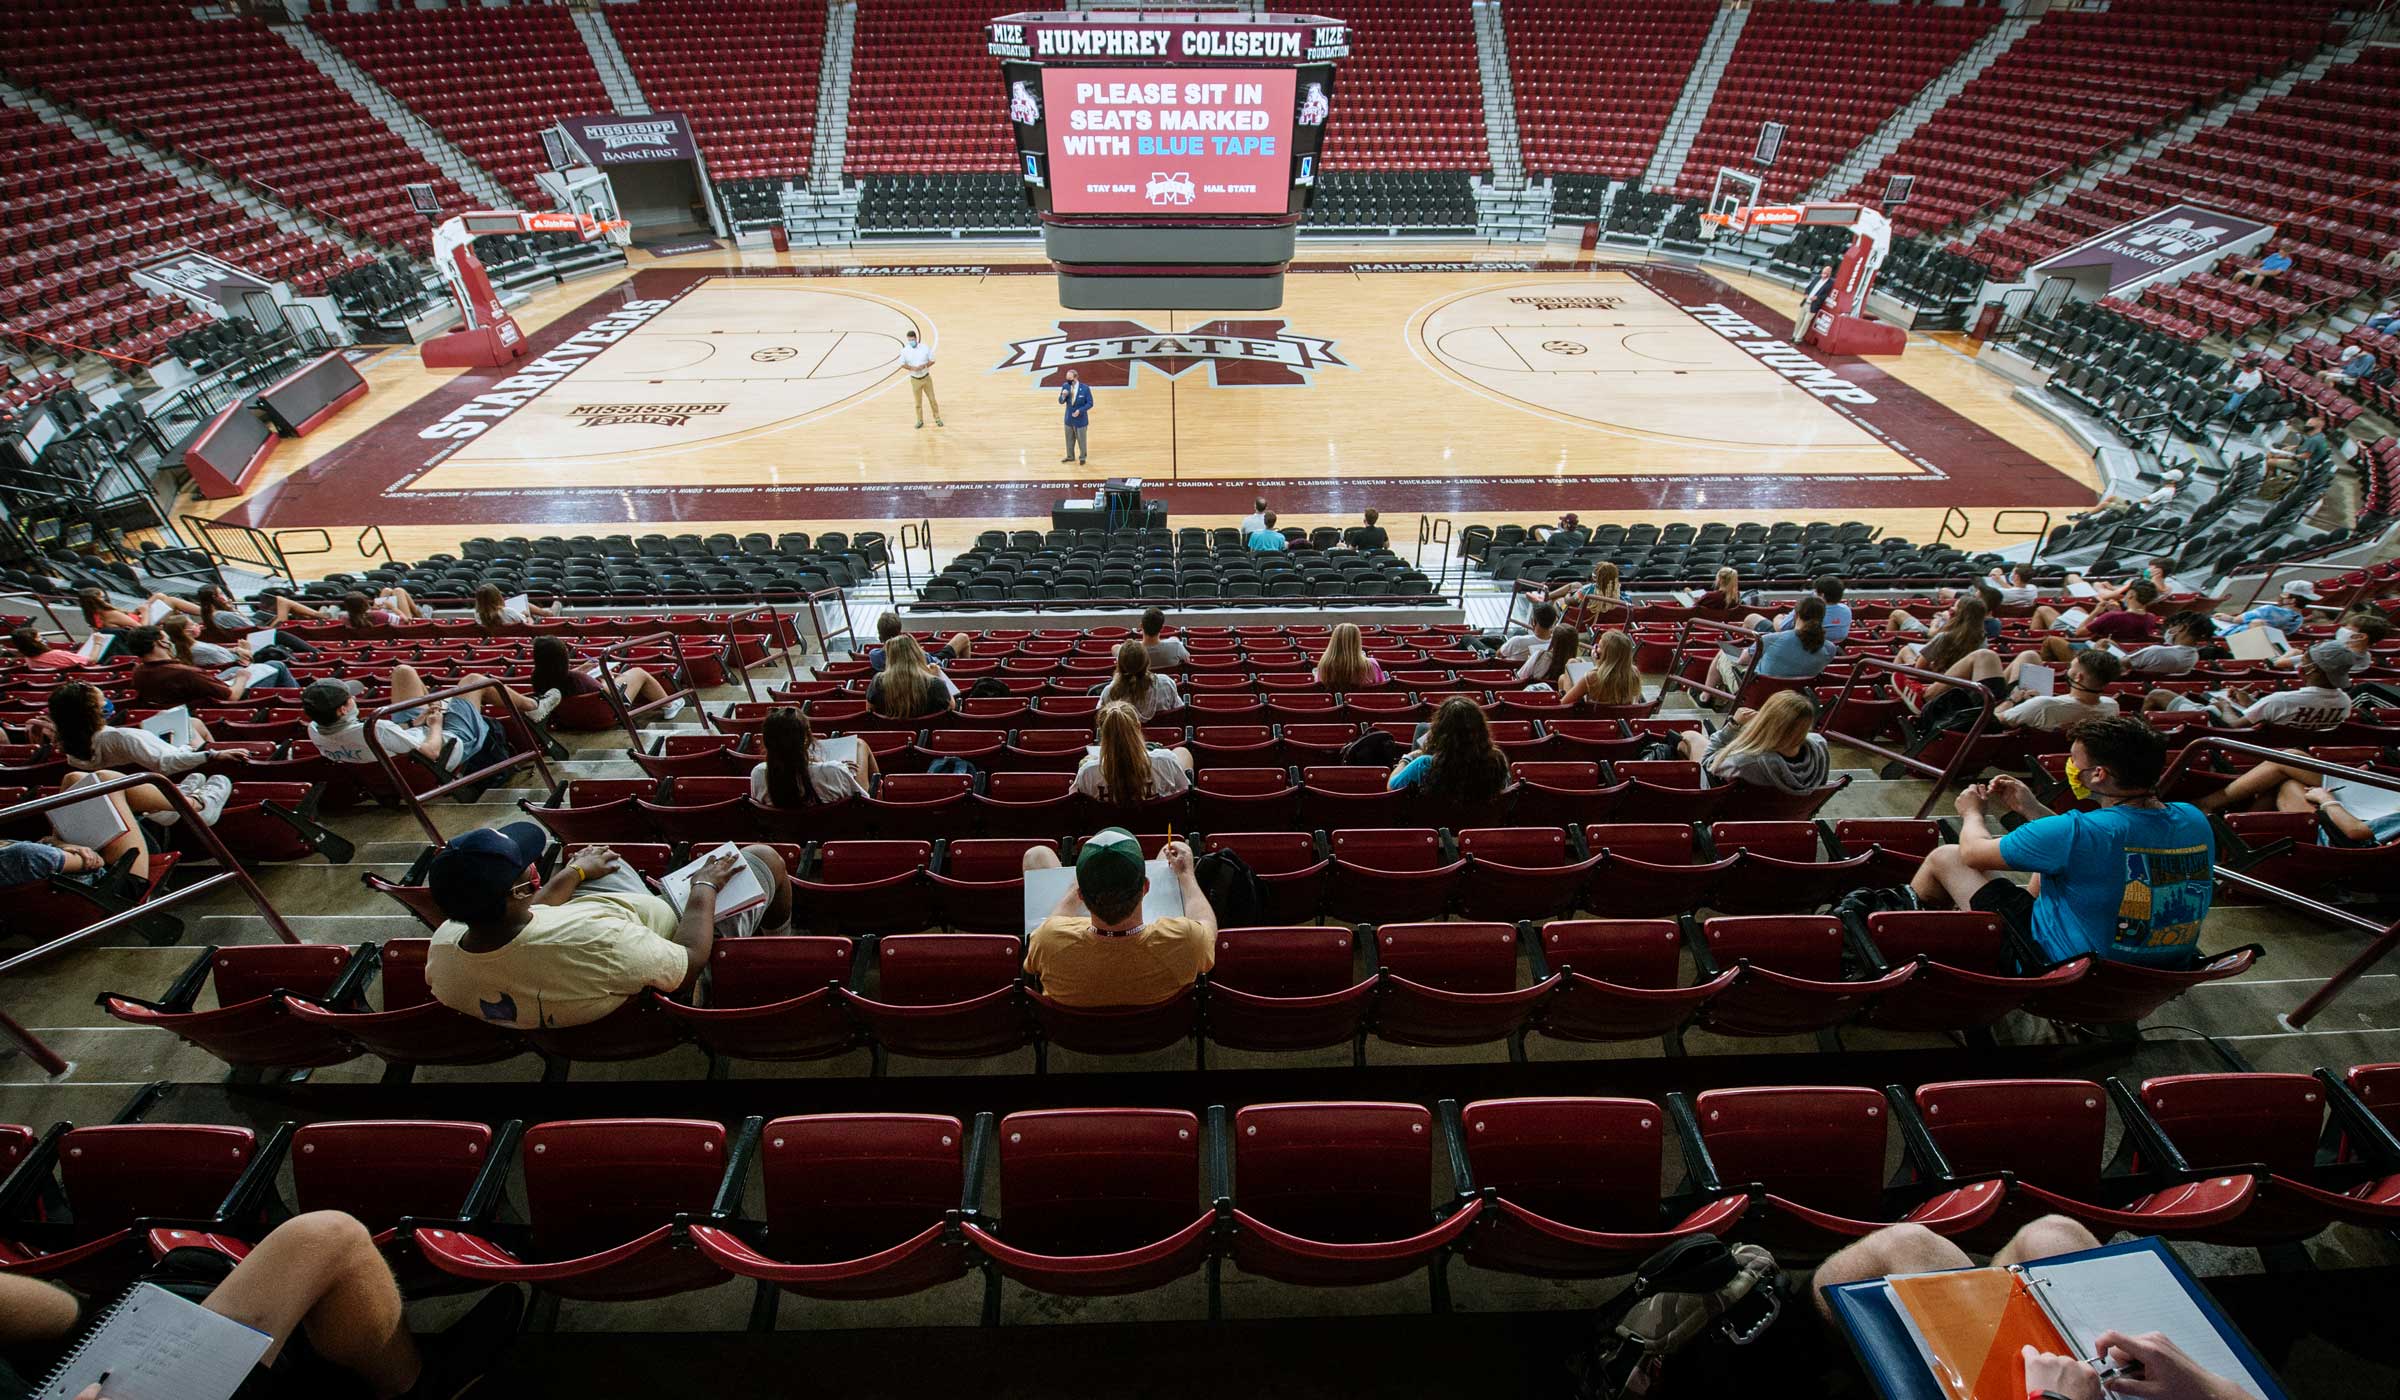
[1519, 645]
[90, 744]
[1128, 769]
[2319, 702]
[796, 773]
[2016, 589]
[1134, 684]
[917, 358]
[2088, 677]
[494, 611]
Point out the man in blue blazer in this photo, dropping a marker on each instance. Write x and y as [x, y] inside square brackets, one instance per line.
[1077, 396]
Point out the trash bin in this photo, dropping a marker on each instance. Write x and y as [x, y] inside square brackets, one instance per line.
[1591, 234]
[1987, 321]
[783, 240]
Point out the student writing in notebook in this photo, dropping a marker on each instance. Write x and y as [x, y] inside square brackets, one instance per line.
[2149, 1367]
[320, 1288]
[1096, 949]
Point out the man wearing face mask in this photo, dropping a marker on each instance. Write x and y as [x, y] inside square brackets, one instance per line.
[2129, 882]
[1077, 396]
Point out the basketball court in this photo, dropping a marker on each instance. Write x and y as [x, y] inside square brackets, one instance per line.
[737, 392]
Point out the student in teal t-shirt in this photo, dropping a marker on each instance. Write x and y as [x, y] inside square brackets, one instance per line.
[2130, 882]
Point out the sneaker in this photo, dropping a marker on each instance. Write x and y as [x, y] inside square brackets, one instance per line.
[674, 708]
[550, 700]
[920, 422]
[210, 797]
[937, 422]
[457, 1357]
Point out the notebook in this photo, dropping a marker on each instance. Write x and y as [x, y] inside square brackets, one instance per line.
[2077, 588]
[1969, 1325]
[92, 822]
[1577, 670]
[154, 1345]
[174, 726]
[2041, 680]
[2073, 618]
[247, 675]
[2256, 643]
[1684, 597]
[741, 890]
[520, 604]
[841, 748]
[259, 641]
[1045, 888]
[157, 609]
[96, 646]
[2365, 803]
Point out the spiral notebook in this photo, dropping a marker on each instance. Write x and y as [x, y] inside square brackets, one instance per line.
[155, 1345]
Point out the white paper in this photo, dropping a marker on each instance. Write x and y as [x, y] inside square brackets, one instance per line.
[248, 675]
[2255, 643]
[2135, 1293]
[95, 646]
[839, 748]
[2041, 680]
[741, 889]
[1578, 669]
[259, 641]
[1683, 596]
[154, 1345]
[2365, 803]
[2077, 588]
[158, 608]
[174, 726]
[1045, 888]
[2073, 618]
[520, 603]
[92, 822]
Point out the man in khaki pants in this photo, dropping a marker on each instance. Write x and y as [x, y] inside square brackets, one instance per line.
[919, 361]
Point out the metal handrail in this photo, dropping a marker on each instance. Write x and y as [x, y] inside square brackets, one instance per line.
[2267, 576]
[1943, 775]
[266, 552]
[1947, 530]
[2387, 936]
[816, 620]
[775, 636]
[229, 871]
[616, 698]
[416, 800]
[2041, 537]
[57, 627]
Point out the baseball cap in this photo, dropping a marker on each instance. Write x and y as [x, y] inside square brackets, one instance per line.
[323, 700]
[470, 878]
[2300, 588]
[1110, 866]
[2170, 474]
[2335, 660]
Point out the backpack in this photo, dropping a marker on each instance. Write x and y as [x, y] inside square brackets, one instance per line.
[989, 688]
[952, 763]
[1232, 887]
[1697, 1290]
[1375, 748]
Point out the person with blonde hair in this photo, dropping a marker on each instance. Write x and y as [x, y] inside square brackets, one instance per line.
[1345, 664]
[909, 687]
[1129, 768]
[1603, 594]
[1613, 680]
[1135, 684]
[1726, 595]
[1774, 746]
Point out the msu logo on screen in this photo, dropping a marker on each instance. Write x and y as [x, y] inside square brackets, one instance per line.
[1023, 107]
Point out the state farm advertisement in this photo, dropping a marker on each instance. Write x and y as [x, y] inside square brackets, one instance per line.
[1196, 141]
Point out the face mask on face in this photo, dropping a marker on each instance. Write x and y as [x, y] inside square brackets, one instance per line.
[108, 709]
[2075, 783]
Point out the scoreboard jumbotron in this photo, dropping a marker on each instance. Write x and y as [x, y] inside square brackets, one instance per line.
[1169, 157]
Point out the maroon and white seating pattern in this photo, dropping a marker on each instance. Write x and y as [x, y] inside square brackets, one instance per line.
[230, 95]
[1409, 97]
[744, 72]
[1832, 73]
[923, 94]
[488, 79]
[1596, 83]
[2079, 83]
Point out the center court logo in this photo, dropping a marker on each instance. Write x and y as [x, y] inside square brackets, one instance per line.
[1246, 354]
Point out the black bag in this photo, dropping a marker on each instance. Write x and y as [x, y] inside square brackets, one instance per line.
[989, 688]
[1375, 748]
[1695, 1291]
[952, 763]
[1233, 889]
[1659, 749]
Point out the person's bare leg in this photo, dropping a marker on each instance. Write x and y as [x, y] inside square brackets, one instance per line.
[321, 1271]
[778, 918]
[866, 766]
[639, 687]
[1183, 756]
[404, 603]
[131, 841]
[2264, 781]
[1944, 879]
[34, 1311]
[2045, 617]
[2043, 1238]
[1980, 665]
[1039, 858]
[288, 608]
[1895, 1249]
[201, 738]
[1693, 745]
[405, 684]
[961, 646]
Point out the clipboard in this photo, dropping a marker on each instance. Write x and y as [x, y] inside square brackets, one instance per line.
[741, 890]
[2256, 643]
[174, 726]
[1879, 1336]
[93, 822]
[2041, 680]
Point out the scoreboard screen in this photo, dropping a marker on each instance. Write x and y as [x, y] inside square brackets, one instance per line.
[1175, 141]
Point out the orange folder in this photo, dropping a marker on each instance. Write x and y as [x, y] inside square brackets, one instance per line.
[1976, 1322]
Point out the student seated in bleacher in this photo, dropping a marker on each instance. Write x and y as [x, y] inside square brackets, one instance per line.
[1798, 653]
[1128, 768]
[1603, 595]
[2319, 702]
[101, 615]
[1096, 949]
[1134, 684]
[1548, 666]
[2155, 572]
[493, 610]
[1725, 594]
[1914, 1249]
[39, 653]
[2190, 639]
[908, 686]
[540, 954]
[80, 716]
[1961, 637]
[2288, 614]
[1344, 664]
[796, 774]
[1455, 759]
[2360, 629]
[384, 609]
[2089, 676]
[1166, 653]
[888, 626]
[2016, 587]
[2127, 621]
[2297, 787]
[23, 862]
[162, 679]
[1266, 539]
[1613, 679]
[2130, 882]
[1902, 620]
[557, 678]
[1829, 589]
[1367, 534]
[223, 620]
[1774, 746]
[1518, 645]
[454, 734]
[183, 635]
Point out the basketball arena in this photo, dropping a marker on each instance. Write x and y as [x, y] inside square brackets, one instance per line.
[712, 696]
